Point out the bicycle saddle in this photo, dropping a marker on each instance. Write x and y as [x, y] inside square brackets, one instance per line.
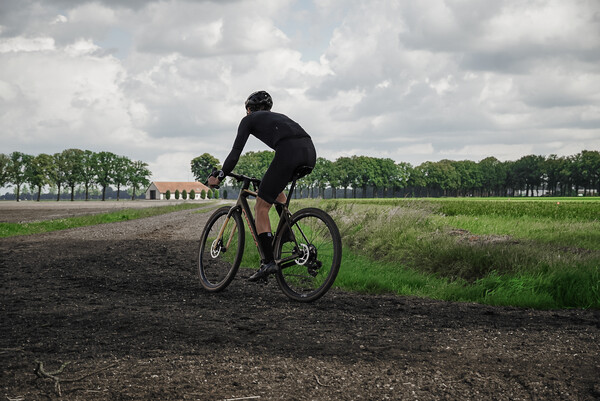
[301, 172]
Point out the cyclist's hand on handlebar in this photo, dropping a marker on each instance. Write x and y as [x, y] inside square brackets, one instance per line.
[213, 182]
[215, 178]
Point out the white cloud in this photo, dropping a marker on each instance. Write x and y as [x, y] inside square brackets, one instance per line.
[21, 44]
[59, 19]
[412, 81]
[171, 166]
[208, 29]
[65, 97]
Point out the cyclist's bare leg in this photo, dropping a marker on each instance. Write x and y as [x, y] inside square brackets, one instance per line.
[261, 209]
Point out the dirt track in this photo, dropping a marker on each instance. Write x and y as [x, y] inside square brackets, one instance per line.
[122, 304]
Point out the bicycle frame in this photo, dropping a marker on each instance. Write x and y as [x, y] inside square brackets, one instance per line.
[242, 206]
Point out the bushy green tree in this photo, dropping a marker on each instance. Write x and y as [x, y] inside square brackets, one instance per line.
[403, 172]
[17, 166]
[385, 173]
[4, 163]
[588, 165]
[138, 175]
[469, 177]
[203, 194]
[58, 172]
[254, 164]
[121, 169]
[73, 168]
[184, 194]
[320, 175]
[192, 194]
[416, 178]
[493, 176]
[439, 176]
[366, 171]
[168, 194]
[88, 171]
[347, 173]
[38, 172]
[177, 194]
[203, 165]
[527, 173]
[105, 164]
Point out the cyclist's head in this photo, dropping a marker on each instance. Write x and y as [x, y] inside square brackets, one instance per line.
[260, 100]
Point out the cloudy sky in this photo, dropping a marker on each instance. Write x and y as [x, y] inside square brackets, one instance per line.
[165, 81]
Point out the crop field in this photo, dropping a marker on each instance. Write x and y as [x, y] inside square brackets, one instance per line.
[436, 299]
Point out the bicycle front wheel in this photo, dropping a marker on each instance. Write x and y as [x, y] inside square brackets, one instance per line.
[315, 250]
[221, 249]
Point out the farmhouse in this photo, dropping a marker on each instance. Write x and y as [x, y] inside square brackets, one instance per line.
[158, 190]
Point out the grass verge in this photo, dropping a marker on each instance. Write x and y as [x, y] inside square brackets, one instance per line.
[14, 229]
[553, 290]
[496, 254]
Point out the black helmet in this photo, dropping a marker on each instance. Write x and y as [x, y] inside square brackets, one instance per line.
[260, 100]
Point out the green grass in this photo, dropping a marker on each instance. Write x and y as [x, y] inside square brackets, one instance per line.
[14, 229]
[579, 209]
[575, 234]
[488, 251]
[554, 289]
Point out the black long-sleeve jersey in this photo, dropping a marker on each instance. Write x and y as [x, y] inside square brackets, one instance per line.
[269, 127]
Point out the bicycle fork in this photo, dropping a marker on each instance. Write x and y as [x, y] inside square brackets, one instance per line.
[217, 245]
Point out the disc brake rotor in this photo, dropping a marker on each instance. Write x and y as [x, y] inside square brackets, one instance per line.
[215, 249]
[305, 255]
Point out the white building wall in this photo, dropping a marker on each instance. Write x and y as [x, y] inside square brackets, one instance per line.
[152, 187]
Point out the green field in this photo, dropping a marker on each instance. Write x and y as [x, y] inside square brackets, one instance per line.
[540, 253]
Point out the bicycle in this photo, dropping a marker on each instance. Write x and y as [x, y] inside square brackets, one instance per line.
[307, 245]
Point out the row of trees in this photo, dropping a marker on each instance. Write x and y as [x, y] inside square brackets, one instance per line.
[71, 168]
[567, 175]
[553, 175]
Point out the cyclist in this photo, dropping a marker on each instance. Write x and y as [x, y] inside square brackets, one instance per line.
[293, 148]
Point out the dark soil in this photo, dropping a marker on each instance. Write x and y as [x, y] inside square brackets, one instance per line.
[122, 304]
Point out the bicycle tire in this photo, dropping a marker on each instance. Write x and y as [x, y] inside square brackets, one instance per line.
[218, 263]
[310, 276]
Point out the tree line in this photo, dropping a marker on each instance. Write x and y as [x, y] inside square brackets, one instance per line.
[71, 168]
[529, 175]
[553, 175]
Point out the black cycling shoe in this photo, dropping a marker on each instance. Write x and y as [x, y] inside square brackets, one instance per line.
[264, 271]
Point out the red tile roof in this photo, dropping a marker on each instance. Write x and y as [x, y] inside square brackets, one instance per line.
[173, 186]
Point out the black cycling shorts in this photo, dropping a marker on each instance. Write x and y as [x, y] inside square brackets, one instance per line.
[289, 155]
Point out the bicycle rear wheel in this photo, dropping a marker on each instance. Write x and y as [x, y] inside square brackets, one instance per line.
[318, 252]
[219, 259]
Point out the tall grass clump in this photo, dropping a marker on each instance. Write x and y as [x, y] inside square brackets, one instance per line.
[498, 264]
